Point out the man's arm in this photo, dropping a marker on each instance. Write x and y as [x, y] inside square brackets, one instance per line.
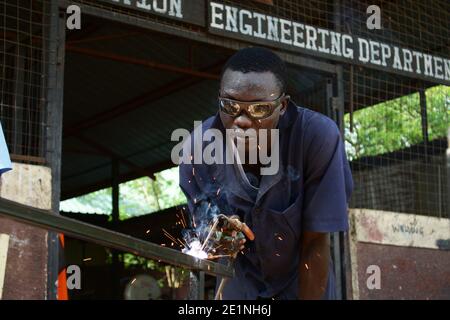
[314, 265]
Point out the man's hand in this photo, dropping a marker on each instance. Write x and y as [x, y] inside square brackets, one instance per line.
[228, 239]
[314, 262]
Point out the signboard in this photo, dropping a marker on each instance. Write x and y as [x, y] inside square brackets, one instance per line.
[235, 22]
[190, 11]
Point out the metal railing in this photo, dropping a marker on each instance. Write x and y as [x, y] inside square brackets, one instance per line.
[111, 239]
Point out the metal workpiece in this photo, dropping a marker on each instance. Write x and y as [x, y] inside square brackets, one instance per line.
[83, 231]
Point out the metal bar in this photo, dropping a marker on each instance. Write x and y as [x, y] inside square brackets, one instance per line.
[115, 190]
[342, 238]
[115, 265]
[107, 37]
[55, 57]
[108, 238]
[141, 62]
[423, 115]
[19, 157]
[340, 92]
[196, 285]
[448, 173]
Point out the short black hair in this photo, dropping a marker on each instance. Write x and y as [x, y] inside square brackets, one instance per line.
[258, 59]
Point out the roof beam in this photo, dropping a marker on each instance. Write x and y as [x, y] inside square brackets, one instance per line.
[116, 156]
[141, 62]
[136, 102]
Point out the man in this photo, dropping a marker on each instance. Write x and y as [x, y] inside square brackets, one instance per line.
[290, 212]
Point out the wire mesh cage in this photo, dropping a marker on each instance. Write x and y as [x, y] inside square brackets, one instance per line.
[396, 141]
[23, 34]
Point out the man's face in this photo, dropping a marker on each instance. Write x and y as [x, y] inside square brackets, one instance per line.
[248, 87]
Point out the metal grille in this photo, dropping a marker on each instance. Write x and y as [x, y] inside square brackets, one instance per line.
[397, 142]
[23, 78]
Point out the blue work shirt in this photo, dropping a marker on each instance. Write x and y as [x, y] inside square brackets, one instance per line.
[310, 192]
[5, 162]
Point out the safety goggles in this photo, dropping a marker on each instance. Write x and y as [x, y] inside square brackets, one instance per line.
[255, 110]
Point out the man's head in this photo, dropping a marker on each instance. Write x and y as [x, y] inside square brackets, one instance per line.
[254, 75]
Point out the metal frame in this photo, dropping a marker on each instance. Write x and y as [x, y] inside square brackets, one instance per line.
[108, 238]
[54, 47]
[335, 105]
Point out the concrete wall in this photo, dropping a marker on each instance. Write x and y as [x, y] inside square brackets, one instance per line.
[25, 275]
[412, 253]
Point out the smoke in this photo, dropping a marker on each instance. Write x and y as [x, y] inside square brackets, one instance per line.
[205, 213]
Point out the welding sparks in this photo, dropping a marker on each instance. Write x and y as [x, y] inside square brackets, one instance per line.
[181, 220]
[168, 235]
[196, 250]
[87, 259]
[184, 219]
[277, 254]
[133, 281]
[306, 266]
[280, 238]
[148, 231]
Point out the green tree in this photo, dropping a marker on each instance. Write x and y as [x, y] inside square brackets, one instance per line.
[396, 124]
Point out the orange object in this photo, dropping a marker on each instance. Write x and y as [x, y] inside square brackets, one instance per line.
[241, 226]
[62, 275]
[248, 232]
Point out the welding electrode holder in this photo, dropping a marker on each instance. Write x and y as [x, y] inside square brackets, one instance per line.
[237, 225]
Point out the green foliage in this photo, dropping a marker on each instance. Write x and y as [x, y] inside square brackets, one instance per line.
[137, 197]
[396, 124]
[96, 202]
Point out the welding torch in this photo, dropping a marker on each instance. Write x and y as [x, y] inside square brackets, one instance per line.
[237, 225]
